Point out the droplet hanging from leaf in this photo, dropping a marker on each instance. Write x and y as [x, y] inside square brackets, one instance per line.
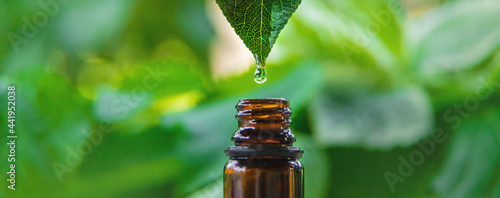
[258, 22]
[260, 75]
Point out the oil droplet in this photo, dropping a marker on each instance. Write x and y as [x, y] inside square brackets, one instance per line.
[260, 75]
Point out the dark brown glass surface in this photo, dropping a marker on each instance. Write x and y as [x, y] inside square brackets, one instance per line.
[263, 178]
[256, 168]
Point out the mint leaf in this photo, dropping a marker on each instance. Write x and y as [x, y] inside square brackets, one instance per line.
[382, 120]
[438, 49]
[473, 157]
[258, 22]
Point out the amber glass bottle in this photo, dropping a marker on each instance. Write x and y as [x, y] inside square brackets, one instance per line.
[263, 163]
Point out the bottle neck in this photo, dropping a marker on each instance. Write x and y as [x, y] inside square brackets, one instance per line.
[264, 130]
[264, 122]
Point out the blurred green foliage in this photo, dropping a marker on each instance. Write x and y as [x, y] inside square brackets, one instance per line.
[116, 98]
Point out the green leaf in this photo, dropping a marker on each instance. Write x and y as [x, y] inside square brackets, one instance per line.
[473, 159]
[103, 21]
[258, 22]
[455, 36]
[376, 120]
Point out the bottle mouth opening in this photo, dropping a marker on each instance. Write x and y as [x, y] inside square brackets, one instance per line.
[268, 104]
[264, 113]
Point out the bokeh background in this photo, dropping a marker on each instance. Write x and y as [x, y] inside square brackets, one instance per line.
[127, 98]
